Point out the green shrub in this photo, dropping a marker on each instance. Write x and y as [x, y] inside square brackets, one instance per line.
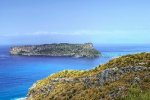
[135, 93]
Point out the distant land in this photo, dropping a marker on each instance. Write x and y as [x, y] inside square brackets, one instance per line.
[61, 49]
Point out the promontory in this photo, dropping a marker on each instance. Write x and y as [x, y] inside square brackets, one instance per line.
[122, 78]
[61, 49]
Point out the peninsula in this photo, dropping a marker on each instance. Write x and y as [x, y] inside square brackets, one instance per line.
[61, 49]
[123, 78]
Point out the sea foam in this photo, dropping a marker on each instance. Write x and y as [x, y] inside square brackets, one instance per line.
[3, 56]
[22, 98]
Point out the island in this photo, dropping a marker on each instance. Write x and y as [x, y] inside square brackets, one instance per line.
[122, 78]
[61, 49]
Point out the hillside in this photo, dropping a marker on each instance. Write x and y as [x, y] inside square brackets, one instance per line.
[125, 78]
[62, 49]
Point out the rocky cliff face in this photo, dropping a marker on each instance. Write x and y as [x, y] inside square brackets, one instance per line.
[116, 79]
[62, 49]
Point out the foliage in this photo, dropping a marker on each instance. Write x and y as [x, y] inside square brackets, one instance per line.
[135, 93]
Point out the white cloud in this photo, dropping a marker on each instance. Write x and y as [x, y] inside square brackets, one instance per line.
[95, 36]
[28, 34]
[103, 33]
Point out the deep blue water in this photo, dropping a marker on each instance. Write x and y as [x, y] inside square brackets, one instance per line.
[18, 73]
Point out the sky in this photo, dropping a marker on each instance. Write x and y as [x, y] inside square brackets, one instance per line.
[74, 21]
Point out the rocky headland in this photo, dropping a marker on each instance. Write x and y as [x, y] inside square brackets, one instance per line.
[123, 78]
[62, 49]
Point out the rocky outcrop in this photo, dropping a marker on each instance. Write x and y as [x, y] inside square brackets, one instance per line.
[107, 76]
[62, 49]
[102, 83]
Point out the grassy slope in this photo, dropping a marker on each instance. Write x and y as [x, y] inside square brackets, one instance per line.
[78, 91]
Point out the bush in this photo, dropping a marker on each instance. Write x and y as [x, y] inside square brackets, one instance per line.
[135, 93]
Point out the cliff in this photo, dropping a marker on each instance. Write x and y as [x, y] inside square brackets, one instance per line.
[62, 49]
[123, 78]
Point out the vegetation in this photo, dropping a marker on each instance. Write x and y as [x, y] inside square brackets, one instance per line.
[82, 85]
[135, 93]
[62, 49]
[142, 59]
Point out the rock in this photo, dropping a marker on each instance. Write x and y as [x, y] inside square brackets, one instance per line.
[116, 92]
[62, 49]
[107, 76]
[136, 80]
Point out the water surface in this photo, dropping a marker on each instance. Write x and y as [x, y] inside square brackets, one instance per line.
[18, 73]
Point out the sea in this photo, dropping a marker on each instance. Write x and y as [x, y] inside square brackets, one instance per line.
[18, 73]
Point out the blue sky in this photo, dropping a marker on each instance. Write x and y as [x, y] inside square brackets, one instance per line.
[74, 21]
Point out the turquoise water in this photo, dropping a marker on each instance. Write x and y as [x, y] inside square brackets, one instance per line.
[18, 73]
